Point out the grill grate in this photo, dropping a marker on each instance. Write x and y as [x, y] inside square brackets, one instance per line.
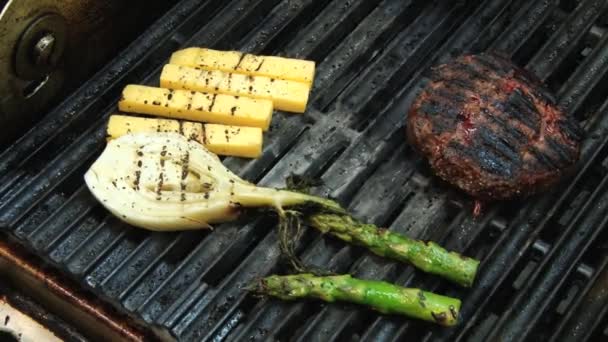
[544, 262]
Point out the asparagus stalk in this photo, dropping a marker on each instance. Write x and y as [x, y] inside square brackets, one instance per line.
[425, 255]
[378, 295]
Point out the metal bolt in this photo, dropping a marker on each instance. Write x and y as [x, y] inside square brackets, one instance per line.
[43, 50]
[40, 47]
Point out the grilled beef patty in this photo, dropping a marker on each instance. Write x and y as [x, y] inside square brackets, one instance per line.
[491, 129]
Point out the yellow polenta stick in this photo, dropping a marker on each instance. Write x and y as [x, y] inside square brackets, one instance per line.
[226, 140]
[281, 68]
[233, 140]
[119, 125]
[285, 95]
[197, 106]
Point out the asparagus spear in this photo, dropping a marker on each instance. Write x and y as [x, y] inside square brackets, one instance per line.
[425, 255]
[378, 295]
[162, 181]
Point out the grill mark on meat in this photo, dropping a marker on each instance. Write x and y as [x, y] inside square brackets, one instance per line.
[432, 107]
[444, 116]
[520, 114]
[542, 158]
[499, 144]
[485, 159]
[449, 96]
[459, 84]
[562, 153]
[442, 126]
[516, 135]
[450, 108]
[494, 163]
[523, 101]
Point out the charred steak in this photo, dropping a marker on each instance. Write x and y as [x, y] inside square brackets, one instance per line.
[491, 129]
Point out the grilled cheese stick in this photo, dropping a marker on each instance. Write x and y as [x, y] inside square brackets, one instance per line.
[233, 140]
[285, 95]
[196, 106]
[223, 140]
[119, 125]
[281, 68]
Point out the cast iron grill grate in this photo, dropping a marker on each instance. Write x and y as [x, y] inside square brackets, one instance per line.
[544, 259]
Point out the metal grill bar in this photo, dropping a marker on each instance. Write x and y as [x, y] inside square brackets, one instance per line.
[328, 28]
[397, 63]
[359, 48]
[111, 234]
[560, 45]
[589, 310]
[588, 75]
[273, 31]
[526, 22]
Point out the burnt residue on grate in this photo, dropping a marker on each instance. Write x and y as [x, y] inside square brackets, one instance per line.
[543, 258]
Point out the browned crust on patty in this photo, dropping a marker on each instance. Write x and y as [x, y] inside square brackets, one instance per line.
[490, 129]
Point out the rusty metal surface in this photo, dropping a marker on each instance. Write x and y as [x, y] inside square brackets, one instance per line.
[13, 296]
[83, 310]
[21, 326]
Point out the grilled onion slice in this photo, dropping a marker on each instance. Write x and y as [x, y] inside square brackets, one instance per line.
[163, 181]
